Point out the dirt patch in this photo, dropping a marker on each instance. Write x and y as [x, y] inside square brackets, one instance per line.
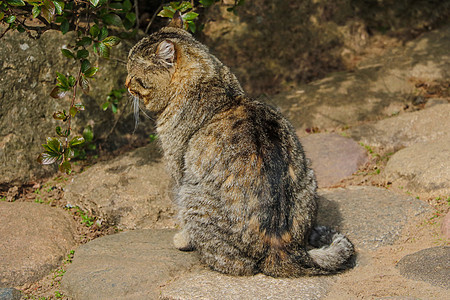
[377, 275]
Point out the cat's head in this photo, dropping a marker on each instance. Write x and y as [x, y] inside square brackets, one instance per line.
[165, 63]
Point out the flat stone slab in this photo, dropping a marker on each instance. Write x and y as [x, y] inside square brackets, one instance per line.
[10, 294]
[333, 157]
[431, 265]
[422, 168]
[394, 133]
[127, 265]
[35, 239]
[213, 285]
[370, 216]
[131, 191]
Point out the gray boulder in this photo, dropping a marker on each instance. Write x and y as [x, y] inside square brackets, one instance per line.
[35, 239]
[131, 191]
[430, 265]
[422, 168]
[370, 216]
[128, 265]
[394, 133]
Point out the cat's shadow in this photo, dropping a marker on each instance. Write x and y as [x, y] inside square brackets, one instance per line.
[329, 214]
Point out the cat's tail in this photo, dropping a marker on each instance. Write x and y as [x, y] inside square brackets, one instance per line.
[333, 250]
[332, 254]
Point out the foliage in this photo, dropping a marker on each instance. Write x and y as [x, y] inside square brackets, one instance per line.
[92, 21]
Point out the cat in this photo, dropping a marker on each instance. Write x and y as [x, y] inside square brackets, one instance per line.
[245, 192]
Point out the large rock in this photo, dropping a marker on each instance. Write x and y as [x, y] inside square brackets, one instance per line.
[131, 191]
[28, 69]
[128, 265]
[445, 226]
[422, 168]
[144, 264]
[377, 89]
[370, 216]
[394, 133]
[35, 239]
[431, 265]
[213, 285]
[333, 157]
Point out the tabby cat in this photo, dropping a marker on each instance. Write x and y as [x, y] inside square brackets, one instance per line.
[245, 193]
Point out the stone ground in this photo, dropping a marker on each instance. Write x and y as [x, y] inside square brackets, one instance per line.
[384, 183]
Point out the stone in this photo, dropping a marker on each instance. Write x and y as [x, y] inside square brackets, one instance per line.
[395, 133]
[131, 191]
[35, 239]
[333, 157]
[127, 265]
[26, 109]
[10, 294]
[445, 226]
[430, 265]
[370, 216]
[212, 285]
[422, 168]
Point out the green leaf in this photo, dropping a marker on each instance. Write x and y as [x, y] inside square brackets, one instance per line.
[64, 26]
[127, 5]
[84, 83]
[58, 92]
[167, 12]
[79, 106]
[85, 41]
[94, 2]
[88, 134]
[116, 5]
[91, 72]
[131, 17]
[62, 133]
[76, 141]
[59, 6]
[103, 33]
[72, 81]
[36, 11]
[189, 16]
[102, 50]
[60, 115]
[65, 167]
[54, 145]
[192, 26]
[2, 15]
[15, 2]
[47, 158]
[73, 111]
[184, 6]
[207, 3]
[105, 105]
[94, 31]
[112, 19]
[85, 65]
[113, 108]
[83, 53]
[67, 53]
[111, 41]
[48, 11]
[10, 19]
[62, 79]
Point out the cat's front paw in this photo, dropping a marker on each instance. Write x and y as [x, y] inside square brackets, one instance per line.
[182, 241]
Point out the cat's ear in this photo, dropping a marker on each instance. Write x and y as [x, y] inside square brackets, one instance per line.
[177, 20]
[166, 52]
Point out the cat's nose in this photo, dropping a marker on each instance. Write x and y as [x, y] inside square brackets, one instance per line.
[127, 81]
